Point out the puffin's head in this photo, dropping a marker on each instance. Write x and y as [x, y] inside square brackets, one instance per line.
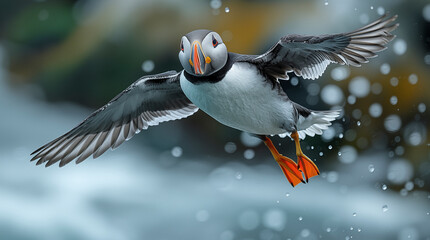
[202, 52]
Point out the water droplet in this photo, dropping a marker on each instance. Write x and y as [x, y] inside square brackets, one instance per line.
[358, 229]
[287, 194]
[321, 154]
[394, 81]
[380, 10]
[399, 150]
[249, 154]
[371, 168]
[351, 99]
[403, 192]
[421, 107]
[359, 87]
[375, 110]
[148, 66]
[358, 123]
[300, 218]
[354, 214]
[385, 68]
[427, 59]
[340, 135]
[328, 229]
[340, 73]
[305, 233]
[339, 154]
[384, 208]
[399, 171]
[328, 134]
[274, 219]
[326, 3]
[384, 187]
[330, 147]
[176, 151]
[371, 7]
[400, 46]
[413, 79]
[351, 228]
[230, 147]
[392, 123]
[426, 12]
[215, 4]
[238, 175]
[227, 10]
[393, 100]
[312, 147]
[294, 81]
[409, 186]
[332, 94]
[364, 18]
[348, 154]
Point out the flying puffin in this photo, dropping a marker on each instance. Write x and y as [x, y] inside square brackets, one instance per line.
[239, 91]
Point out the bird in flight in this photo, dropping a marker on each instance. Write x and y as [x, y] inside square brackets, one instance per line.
[239, 91]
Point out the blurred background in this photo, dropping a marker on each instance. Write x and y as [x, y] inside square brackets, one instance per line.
[195, 178]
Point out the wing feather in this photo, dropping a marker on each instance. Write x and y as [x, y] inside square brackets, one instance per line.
[147, 102]
[309, 56]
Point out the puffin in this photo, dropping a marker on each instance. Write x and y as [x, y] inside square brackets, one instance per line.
[240, 91]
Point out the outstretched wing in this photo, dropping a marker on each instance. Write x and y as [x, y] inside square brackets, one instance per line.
[308, 56]
[147, 102]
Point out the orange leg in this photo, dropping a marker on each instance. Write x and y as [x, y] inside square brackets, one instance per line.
[306, 165]
[288, 166]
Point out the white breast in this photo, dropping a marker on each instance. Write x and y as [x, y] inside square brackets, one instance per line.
[243, 100]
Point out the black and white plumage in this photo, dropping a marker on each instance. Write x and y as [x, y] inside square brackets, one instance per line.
[240, 91]
[147, 102]
[309, 56]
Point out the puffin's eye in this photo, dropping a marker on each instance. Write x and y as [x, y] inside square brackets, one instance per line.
[214, 42]
[182, 46]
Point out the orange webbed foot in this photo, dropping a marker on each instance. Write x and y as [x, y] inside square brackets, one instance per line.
[307, 166]
[288, 166]
[290, 170]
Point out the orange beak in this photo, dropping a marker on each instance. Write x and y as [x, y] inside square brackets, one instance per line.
[197, 58]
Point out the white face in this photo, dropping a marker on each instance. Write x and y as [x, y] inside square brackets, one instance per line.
[202, 57]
